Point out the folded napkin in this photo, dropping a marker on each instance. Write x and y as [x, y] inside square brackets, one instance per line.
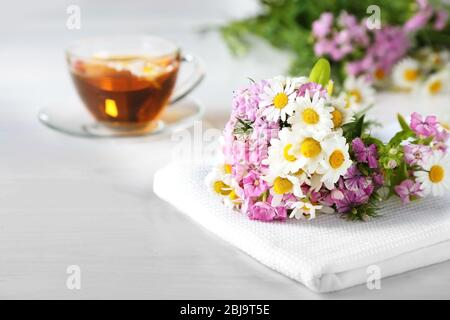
[325, 254]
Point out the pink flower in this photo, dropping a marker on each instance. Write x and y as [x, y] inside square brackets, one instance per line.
[441, 18]
[312, 88]
[365, 154]
[263, 211]
[408, 189]
[253, 185]
[350, 200]
[424, 128]
[245, 102]
[322, 26]
[355, 180]
[416, 153]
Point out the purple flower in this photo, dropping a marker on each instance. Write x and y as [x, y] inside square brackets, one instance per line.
[265, 212]
[419, 20]
[416, 153]
[350, 200]
[355, 180]
[441, 17]
[407, 189]
[253, 185]
[365, 154]
[424, 128]
[322, 26]
[378, 179]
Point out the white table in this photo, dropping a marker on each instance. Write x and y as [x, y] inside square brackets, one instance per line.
[70, 201]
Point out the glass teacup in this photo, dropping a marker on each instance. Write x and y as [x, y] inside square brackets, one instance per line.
[126, 82]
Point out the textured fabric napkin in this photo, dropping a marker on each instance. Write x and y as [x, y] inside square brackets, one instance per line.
[325, 254]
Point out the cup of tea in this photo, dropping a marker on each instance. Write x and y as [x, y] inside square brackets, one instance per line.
[126, 82]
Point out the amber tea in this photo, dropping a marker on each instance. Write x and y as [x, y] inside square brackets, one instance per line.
[126, 89]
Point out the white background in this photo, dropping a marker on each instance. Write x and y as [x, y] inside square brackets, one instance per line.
[70, 201]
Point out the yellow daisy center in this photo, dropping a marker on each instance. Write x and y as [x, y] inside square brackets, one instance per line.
[310, 116]
[310, 148]
[280, 100]
[221, 188]
[227, 168]
[299, 172]
[347, 103]
[336, 159]
[436, 174]
[410, 74]
[379, 74]
[357, 95]
[435, 87]
[446, 126]
[289, 157]
[282, 185]
[337, 118]
[233, 196]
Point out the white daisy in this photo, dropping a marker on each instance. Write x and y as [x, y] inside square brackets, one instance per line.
[303, 210]
[218, 183]
[342, 112]
[315, 182]
[406, 73]
[336, 161]
[278, 98]
[280, 158]
[294, 151]
[379, 76]
[282, 185]
[235, 195]
[436, 83]
[439, 58]
[435, 178]
[360, 92]
[312, 116]
[308, 152]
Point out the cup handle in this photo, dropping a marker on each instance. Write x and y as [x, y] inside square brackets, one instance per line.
[192, 82]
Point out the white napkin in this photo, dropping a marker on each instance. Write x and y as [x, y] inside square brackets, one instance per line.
[325, 254]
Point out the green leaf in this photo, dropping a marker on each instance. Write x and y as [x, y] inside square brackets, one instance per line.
[353, 129]
[321, 72]
[402, 122]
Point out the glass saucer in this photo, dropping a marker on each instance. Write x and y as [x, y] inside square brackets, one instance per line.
[75, 120]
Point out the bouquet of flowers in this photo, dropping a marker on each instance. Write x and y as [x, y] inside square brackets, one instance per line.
[339, 31]
[294, 149]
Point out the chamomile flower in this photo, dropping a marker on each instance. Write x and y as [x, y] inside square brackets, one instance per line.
[303, 209]
[277, 100]
[315, 182]
[406, 74]
[435, 177]
[379, 76]
[235, 195]
[312, 116]
[300, 151]
[360, 92]
[439, 58]
[342, 112]
[336, 161]
[218, 183]
[283, 185]
[436, 83]
[280, 157]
